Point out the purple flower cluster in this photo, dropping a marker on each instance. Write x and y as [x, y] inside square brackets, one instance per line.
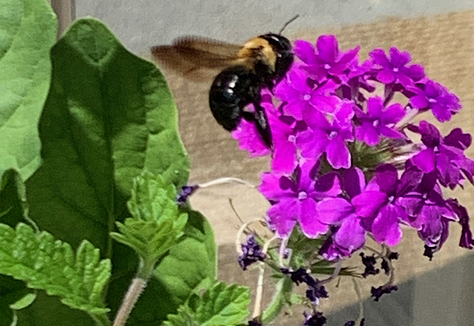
[325, 116]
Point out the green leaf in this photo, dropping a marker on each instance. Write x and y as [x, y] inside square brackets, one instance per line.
[48, 264]
[189, 266]
[156, 223]
[27, 33]
[11, 291]
[108, 116]
[220, 305]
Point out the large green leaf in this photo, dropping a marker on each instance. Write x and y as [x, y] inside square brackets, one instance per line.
[27, 33]
[108, 116]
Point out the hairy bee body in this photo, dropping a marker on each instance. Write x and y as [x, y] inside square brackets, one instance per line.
[261, 63]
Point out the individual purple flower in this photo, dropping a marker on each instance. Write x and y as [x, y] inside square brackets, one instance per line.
[285, 130]
[316, 319]
[315, 290]
[295, 198]
[395, 69]
[369, 263]
[251, 253]
[349, 233]
[323, 136]
[255, 322]
[185, 193]
[435, 97]
[381, 290]
[378, 121]
[466, 240]
[303, 98]
[328, 62]
[446, 155]
[378, 206]
[247, 134]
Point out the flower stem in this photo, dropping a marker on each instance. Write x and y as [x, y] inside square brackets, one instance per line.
[134, 291]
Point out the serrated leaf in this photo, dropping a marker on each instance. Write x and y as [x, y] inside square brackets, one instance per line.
[220, 305]
[184, 317]
[157, 223]
[223, 305]
[152, 198]
[27, 33]
[50, 265]
[189, 264]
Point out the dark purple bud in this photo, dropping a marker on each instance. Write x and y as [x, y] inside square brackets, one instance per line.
[254, 322]
[381, 290]
[393, 255]
[385, 266]
[369, 263]
[251, 253]
[315, 289]
[317, 319]
[184, 193]
[429, 252]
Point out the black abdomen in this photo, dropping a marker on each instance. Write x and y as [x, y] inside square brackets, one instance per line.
[232, 90]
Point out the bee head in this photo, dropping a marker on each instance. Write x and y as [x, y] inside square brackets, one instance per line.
[284, 56]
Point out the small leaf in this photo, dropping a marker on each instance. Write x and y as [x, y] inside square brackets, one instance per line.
[157, 222]
[220, 305]
[24, 301]
[27, 33]
[48, 264]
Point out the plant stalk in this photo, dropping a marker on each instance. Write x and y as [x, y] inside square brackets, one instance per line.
[134, 291]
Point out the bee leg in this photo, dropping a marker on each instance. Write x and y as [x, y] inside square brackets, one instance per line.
[261, 122]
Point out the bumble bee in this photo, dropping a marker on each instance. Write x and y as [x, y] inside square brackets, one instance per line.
[261, 62]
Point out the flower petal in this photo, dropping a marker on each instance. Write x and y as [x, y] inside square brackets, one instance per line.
[338, 154]
[351, 234]
[328, 48]
[386, 228]
[387, 176]
[425, 160]
[368, 203]
[309, 219]
[282, 217]
[334, 210]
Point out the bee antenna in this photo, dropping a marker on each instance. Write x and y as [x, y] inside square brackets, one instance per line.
[288, 23]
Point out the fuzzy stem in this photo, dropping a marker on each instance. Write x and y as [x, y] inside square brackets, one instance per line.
[259, 295]
[361, 302]
[224, 181]
[134, 291]
[335, 274]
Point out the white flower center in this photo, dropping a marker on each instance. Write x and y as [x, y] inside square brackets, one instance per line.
[327, 66]
[332, 134]
[302, 195]
[291, 138]
[432, 100]
[395, 69]
[306, 97]
[376, 123]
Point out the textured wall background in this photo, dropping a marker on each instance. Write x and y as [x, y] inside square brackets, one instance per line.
[438, 34]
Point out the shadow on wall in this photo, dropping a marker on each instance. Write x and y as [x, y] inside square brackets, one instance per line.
[438, 298]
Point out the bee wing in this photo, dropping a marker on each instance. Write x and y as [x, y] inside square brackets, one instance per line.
[192, 56]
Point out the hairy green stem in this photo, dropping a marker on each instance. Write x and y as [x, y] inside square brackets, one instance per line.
[134, 291]
[282, 290]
